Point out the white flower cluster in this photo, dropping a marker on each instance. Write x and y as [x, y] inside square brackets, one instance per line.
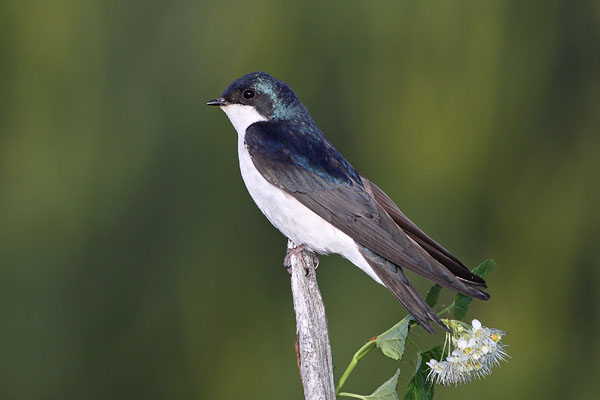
[477, 349]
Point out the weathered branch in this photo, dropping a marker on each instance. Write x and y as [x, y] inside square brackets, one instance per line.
[316, 366]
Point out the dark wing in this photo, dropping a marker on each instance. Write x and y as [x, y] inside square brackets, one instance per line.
[434, 249]
[313, 172]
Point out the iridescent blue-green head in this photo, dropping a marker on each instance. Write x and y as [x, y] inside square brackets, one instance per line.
[270, 97]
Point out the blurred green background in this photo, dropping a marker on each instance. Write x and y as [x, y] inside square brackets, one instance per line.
[134, 265]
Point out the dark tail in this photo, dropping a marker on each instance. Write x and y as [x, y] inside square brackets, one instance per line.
[394, 279]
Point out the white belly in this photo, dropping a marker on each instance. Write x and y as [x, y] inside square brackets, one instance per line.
[295, 220]
[288, 215]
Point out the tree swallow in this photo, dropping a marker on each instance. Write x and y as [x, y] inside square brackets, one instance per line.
[308, 191]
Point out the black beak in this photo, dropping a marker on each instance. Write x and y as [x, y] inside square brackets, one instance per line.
[217, 102]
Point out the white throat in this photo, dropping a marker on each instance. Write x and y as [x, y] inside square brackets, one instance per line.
[242, 117]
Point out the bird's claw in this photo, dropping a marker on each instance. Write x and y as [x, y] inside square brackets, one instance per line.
[296, 251]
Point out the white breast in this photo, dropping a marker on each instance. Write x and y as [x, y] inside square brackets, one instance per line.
[287, 214]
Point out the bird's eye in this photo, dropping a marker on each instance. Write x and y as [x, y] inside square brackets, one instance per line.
[248, 93]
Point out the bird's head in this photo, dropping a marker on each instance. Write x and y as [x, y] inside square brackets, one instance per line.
[259, 97]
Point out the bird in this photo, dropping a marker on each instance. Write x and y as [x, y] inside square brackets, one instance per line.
[314, 197]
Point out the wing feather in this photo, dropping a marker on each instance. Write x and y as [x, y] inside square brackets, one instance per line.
[434, 249]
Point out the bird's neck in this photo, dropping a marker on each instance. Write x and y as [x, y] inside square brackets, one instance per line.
[242, 117]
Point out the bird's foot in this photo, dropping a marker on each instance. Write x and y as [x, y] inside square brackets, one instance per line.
[296, 251]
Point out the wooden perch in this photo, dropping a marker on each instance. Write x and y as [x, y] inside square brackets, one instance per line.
[315, 363]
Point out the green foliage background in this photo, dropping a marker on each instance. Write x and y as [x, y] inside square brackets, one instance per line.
[134, 265]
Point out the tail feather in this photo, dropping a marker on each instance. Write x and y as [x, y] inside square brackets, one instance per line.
[394, 279]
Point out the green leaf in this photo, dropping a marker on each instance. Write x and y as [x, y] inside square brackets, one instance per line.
[433, 295]
[387, 391]
[419, 388]
[484, 268]
[393, 341]
[461, 304]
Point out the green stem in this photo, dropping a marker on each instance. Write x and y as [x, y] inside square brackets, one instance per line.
[445, 310]
[356, 396]
[363, 351]
[447, 341]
